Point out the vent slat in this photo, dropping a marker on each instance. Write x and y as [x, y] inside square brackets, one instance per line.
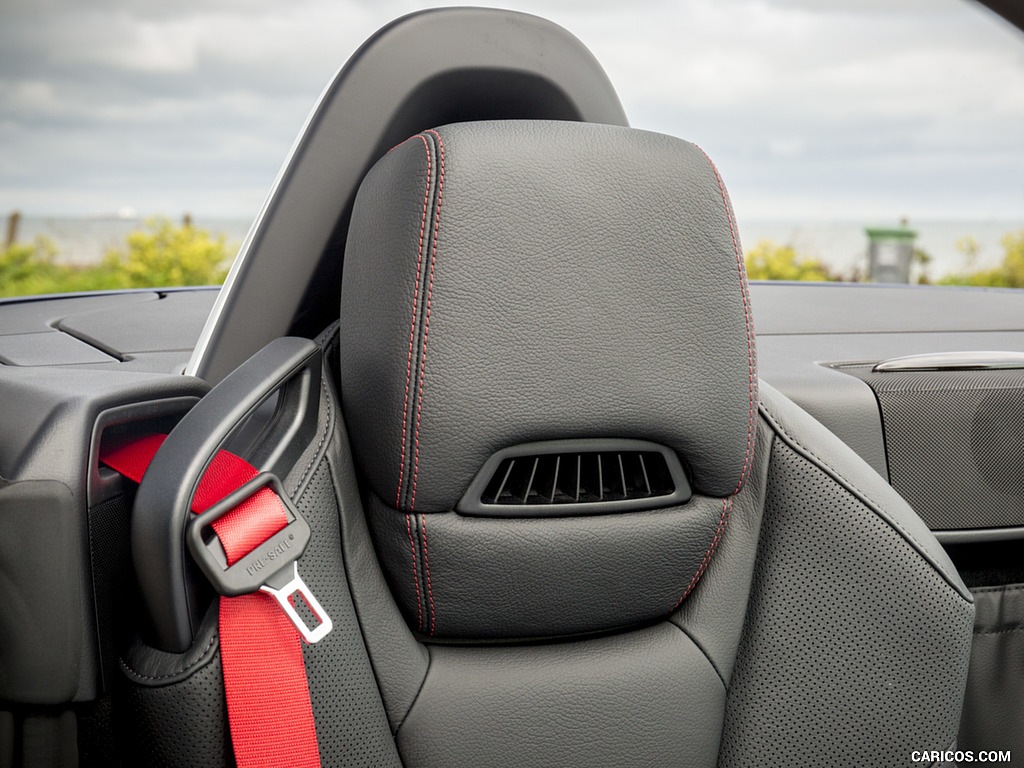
[578, 477]
[504, 479]
[643, 468]
[529, 483]
[554, 483]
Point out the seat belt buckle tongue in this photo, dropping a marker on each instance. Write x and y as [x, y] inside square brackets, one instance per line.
[285, 594]
[269, 567]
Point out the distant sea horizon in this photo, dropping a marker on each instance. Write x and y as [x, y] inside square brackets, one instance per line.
[839, 245]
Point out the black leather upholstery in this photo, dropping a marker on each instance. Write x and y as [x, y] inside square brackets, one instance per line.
[513, 282]
[582, 281]
[539, 577]
[857, 630]
[528, 280]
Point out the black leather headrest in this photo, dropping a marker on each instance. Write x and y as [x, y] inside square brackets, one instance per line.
[517, 281]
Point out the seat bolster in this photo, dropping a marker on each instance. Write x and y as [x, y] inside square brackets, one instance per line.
[809, 438]
[857, 634]
[713, 615]
[399, 661]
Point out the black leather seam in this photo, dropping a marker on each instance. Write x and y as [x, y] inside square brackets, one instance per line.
[428, 591]
[748, 458]
[410, 520]
[425, 301]
[950, 748]
[348, 583]
[405, 473]
[416, 698]
[797, 446]
[700, 648]
[998, 631]
[318, 454]
[206, 656]
[723, 523]
[1002, 588]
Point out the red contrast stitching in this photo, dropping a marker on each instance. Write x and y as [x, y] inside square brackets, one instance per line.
[415, 570]
[751, 365]
[426, 561]
[426, 325]
[723, 521]
[412, 328]
[401, 143]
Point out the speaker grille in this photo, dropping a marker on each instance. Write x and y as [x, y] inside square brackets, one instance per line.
[955, 444]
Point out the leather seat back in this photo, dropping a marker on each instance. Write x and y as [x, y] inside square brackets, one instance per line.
[512, 284]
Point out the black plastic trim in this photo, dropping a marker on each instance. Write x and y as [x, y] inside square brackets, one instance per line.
[253, 570]
[8, 300]
[122, 424]
[975, 535]
[170, 584]
[472, 502]
[426, 69]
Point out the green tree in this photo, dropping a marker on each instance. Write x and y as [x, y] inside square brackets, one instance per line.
[1009, 273]
[29, 269]
[159, 255]
[770, 261]
[21, 262]
[163, 254]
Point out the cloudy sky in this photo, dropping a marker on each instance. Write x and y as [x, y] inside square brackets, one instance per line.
[814, 110]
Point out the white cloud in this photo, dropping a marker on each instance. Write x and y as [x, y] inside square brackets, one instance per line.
[810, 108]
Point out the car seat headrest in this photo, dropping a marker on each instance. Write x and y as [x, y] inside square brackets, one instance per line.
[512, 282]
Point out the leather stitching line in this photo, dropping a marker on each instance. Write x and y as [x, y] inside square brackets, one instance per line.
[412, 325]
[751, 385]
[867, 500]
[751, 362]
[196, 665]
[426, 324]
[415, 570]
[723, 521]
[426, 567]
[423, 361]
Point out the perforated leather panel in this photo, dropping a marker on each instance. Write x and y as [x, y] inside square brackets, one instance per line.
[180, 714]
[351, 726]
[854, 645]
[183, 723]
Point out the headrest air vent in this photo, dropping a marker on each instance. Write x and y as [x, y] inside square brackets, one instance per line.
[568, 477]
[573, 478]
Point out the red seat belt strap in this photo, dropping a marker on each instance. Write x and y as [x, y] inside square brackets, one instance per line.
[265, 684]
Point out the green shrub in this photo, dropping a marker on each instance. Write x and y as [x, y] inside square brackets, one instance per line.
[1009, 274]
[164, 254]
[159, 255]
[769, 261]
